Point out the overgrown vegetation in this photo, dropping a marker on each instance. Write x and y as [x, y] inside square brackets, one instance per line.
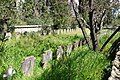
[82, 64]
[15, 50]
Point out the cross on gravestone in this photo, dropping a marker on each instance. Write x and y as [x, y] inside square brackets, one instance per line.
[69, 49]
[59, 52]
[28, 65]
[47, 56]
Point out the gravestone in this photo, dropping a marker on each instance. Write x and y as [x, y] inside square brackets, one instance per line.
[80, 43]
[59, 52]
[8, 35]
[28, 65]
[69, 49]
[76, 44]
[9, 73]
[83, 42]
[47, 56]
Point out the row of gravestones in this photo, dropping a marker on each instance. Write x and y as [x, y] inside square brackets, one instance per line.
[29, 62]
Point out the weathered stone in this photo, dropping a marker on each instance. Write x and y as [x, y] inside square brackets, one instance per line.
[76, 44]
[9, 73]
[8, 35]
[118, 53]
[28, 65]
[47, 56]
[69, 49]
[80, 43]
[116, 63]
[59, 52]
[115, 73]
[83, 42]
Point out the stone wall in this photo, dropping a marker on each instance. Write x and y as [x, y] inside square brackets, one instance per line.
[115, 73]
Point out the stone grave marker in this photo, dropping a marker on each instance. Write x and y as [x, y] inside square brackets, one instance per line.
[69, 49]
[28, 65]
[8, 35]
[47, 56]
[80, 43]
[83, 42]
[9, 73]
[76, 44]
[59, 52]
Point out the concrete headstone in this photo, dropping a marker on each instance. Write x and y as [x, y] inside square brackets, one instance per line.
[9, 73]
[8, 35]
[47, 56]
[80, 43]
[59, 52]
[83, 42]
[69, 49]
[28, 65]
[76, 44]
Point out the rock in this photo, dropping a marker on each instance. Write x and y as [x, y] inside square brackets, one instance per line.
[28, 65]
[115, 73]
[118, 53]
[116, 63]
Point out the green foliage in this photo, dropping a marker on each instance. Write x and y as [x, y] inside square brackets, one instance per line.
[15, 50]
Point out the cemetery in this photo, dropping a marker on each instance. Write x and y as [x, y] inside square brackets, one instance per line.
[60, 40]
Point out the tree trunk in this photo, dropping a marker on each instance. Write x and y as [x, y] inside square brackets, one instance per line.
[79, 24]
[92, 32]
[92, 28]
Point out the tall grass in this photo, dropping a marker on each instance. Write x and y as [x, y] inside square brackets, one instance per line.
[83, 64]
[15, 50]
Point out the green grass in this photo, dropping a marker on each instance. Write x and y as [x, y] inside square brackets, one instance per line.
[83, 64]
[14, 51]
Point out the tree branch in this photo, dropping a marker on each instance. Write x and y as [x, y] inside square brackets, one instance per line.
[83, 31]
[118, 29]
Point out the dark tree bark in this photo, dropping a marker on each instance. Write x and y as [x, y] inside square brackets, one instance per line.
[92, 28]
[79, 24]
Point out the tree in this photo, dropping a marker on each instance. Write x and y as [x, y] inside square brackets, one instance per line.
[93, 13]
[7, 16]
